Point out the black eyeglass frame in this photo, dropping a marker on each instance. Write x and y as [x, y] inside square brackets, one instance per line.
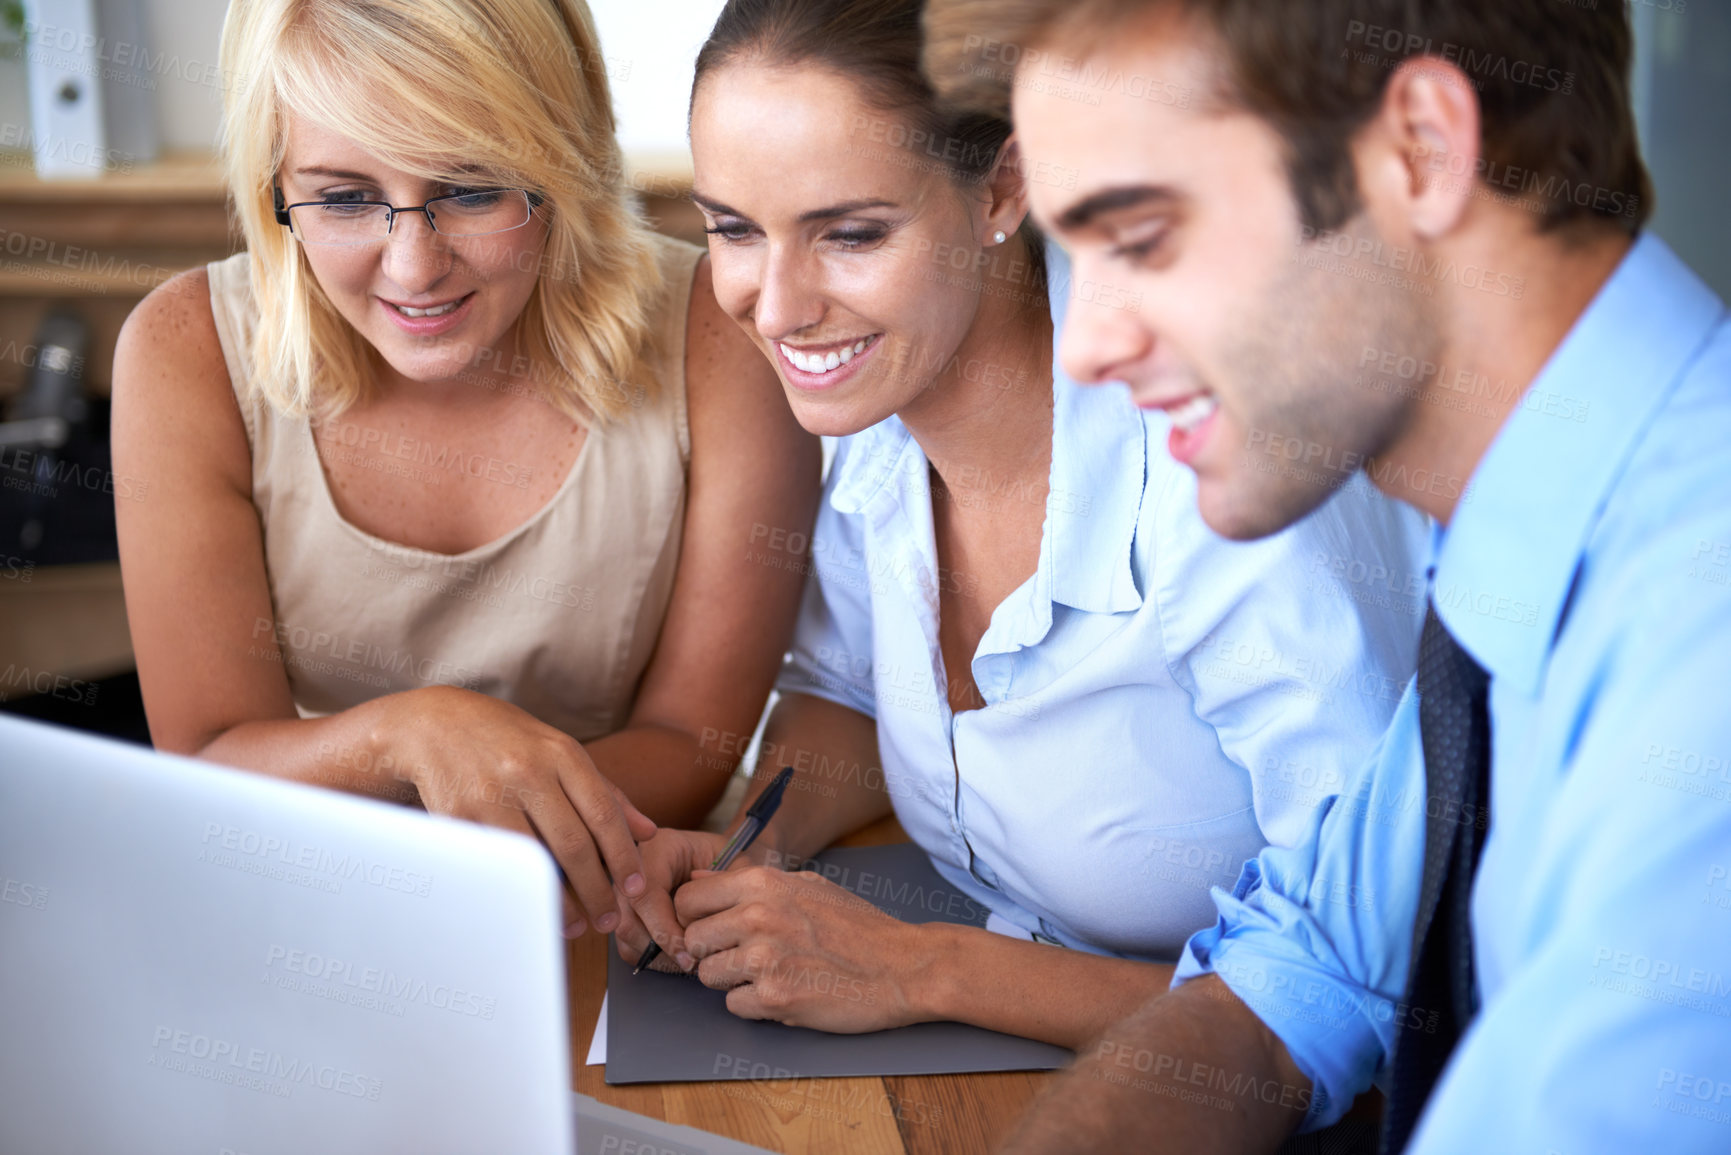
[282, 210]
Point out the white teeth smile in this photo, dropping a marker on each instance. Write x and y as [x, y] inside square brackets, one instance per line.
[1194, 411]
[824, 362]
[435, 311]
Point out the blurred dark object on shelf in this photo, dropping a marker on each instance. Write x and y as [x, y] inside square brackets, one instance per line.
[56, 478]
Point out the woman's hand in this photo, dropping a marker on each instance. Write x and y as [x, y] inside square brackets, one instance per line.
[475, 757]
[801, 950]
[669, 859]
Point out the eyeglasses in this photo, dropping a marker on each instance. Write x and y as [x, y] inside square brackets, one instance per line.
[465, 214]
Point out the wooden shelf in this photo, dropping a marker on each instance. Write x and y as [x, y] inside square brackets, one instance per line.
[99, 273]
[175, 176]
[69, 620]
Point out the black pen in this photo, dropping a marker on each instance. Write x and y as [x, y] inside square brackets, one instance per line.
[755, 820]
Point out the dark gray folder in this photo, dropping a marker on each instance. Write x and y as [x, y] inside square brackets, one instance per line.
[668, 1028]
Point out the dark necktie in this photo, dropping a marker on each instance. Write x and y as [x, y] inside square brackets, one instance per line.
[1455, 729]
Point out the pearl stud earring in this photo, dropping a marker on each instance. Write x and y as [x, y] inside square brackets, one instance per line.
[999, 237]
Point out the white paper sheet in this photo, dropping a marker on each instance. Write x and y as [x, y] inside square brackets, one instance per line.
[598, 1042]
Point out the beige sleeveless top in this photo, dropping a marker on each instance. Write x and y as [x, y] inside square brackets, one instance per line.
[558, 616]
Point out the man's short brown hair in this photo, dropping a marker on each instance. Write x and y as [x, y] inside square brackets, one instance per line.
[1551, 77]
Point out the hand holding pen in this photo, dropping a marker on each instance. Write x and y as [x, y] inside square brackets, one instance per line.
[756, 818]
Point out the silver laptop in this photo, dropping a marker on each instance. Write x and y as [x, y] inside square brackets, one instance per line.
[203, 961]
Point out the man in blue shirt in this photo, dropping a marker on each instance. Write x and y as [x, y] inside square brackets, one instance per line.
[1404, 239]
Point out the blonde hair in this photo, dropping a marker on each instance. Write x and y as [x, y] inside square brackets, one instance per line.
[438, 88]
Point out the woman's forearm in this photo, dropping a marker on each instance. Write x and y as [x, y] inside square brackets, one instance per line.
[348, 751]
[666, 772]
[969, 975]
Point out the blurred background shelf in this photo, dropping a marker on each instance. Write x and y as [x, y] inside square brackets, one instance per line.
[182, 174]
[91, 248]
[69, 620]
[99, 246]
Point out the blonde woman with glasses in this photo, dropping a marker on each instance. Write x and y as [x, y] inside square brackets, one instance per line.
[454, 475]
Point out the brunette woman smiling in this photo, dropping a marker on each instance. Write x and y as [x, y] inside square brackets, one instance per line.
[454, 470]
[1019, 634]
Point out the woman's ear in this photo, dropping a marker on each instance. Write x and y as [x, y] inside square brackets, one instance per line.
[1007, 195]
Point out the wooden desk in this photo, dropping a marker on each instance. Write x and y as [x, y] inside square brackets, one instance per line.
[920, 1115]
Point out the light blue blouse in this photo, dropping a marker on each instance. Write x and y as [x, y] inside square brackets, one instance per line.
[1160, 703]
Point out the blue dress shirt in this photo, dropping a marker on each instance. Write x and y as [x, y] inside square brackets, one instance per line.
[1588, 575]
[1160, 702]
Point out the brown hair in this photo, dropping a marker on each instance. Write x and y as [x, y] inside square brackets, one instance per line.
[1552, 81]
[877, 44]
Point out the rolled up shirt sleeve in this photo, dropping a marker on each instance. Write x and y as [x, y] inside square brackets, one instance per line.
[1295, 648]
[831, 657]
[1316, 938]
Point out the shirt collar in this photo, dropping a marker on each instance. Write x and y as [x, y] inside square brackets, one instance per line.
[881, 459]
[1507, 561]
[1099, 475]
